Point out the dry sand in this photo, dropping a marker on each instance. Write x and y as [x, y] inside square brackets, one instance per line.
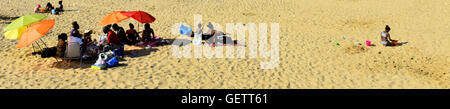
[308, 58]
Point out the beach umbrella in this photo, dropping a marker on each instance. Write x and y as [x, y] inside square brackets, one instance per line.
[15, 34]
[139, 16]
[35, 32]
[24, 21]
[113, 17]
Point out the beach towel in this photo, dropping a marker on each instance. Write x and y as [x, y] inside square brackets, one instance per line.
[151, 43]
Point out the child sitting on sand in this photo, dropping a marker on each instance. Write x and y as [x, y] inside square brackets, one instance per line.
[60, 9]
[37, 9]
[61, 46]
[49, 7]
[386, 37]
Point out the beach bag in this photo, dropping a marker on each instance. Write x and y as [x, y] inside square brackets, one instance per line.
[101, 59]
[100, 64]
[112, 62]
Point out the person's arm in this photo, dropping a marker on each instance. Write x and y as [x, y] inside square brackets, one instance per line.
[389, 37]
[153, 33]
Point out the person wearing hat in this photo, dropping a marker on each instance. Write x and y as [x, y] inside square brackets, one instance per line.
[89, 46]
[87, 37]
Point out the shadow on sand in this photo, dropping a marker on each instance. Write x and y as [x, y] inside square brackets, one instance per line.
[75, 64]
[139, 53]
[179, 42]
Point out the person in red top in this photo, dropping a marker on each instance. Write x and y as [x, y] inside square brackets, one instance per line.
[113, 39]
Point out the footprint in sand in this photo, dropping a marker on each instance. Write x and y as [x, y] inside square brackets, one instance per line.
[249, 14]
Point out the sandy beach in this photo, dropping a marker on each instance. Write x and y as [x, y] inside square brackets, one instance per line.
[307, 57]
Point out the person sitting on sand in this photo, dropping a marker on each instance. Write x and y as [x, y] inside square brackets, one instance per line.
[120, 33]
[75, 28]
[89, 44]
[148, 34]
[87, 38]
[60, 8]
[212, 34]
[37, 9]
[75, 38]
[386, 37]
[113, 40]
[49, 7]
[132, 35]
[61, 46]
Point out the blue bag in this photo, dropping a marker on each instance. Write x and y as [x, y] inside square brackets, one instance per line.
[112, 62]
[185, 30]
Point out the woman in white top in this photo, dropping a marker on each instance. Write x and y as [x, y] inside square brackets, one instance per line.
[386, 37]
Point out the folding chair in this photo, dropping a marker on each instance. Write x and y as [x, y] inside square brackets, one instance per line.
[74, 51]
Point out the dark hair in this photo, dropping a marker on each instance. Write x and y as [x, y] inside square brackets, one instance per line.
[131, 26]
[106, 29]
[62, 36]
[60, 2]
[387, 27]
[147, 26]
[75, 25]
[115, 27]
[77, 34]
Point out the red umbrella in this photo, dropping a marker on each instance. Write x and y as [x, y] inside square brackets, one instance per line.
[140, 16]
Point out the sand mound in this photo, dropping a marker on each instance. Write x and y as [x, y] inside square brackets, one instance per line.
[355, 49]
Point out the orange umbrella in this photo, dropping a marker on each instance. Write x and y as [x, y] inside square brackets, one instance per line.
[111, 18]
[35, 32]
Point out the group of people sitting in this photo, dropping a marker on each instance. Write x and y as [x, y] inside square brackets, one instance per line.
[113, 38]
[49, 8]
[213, 37]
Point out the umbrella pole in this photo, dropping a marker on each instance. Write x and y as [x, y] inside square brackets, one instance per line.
[44, 43]
[47, 47]
[39, 47]
[34, 50]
